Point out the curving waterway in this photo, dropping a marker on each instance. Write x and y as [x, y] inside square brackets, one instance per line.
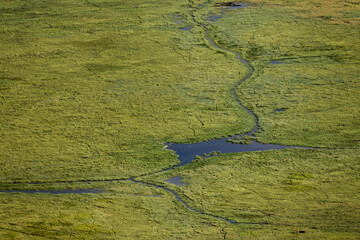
[187, 152]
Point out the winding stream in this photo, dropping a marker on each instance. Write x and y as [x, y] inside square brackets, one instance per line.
[193, 209]
[187, 152]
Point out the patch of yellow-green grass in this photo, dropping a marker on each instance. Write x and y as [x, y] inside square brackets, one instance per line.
[91, 89]
[314, 80]
[124, 211]
[313, 193]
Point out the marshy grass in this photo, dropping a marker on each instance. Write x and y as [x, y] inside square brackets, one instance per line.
[292, 190]
[90, 90]
[315, 80]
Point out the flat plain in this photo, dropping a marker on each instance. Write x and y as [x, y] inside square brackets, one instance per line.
[91, 90]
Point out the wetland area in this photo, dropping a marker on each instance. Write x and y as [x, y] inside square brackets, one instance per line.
[180, 120]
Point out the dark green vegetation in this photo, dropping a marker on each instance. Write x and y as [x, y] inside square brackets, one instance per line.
[91, 90]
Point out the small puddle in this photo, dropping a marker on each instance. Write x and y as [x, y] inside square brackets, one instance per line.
[214, 18]
[66, 191]
[201, 5]
[279, 110]
[275, 62]
[179, 18]
[176, 180]
[232, 5]
[185, 28]
[239, 5]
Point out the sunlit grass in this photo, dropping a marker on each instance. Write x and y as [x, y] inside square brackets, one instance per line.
[124, 211]
[292, 190]
[314, 81]
[92, 90]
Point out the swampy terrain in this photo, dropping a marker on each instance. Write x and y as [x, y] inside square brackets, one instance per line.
[179, 119]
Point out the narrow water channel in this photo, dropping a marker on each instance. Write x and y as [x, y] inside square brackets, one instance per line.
[65, 191]
[190, 208]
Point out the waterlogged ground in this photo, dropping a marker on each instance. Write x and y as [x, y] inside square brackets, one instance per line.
[91, 90]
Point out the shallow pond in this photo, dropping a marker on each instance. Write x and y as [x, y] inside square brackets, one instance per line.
[187, 152]
[176, 180]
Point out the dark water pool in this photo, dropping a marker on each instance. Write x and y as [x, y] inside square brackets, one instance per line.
[214, 18]
[276, 62]
[237, 5]
[176, 180]
[187, 152]
[186, 28]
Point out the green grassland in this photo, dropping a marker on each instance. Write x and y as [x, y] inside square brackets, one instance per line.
[312, 191]
[90, 90]
[315, 82]
[125, 211]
